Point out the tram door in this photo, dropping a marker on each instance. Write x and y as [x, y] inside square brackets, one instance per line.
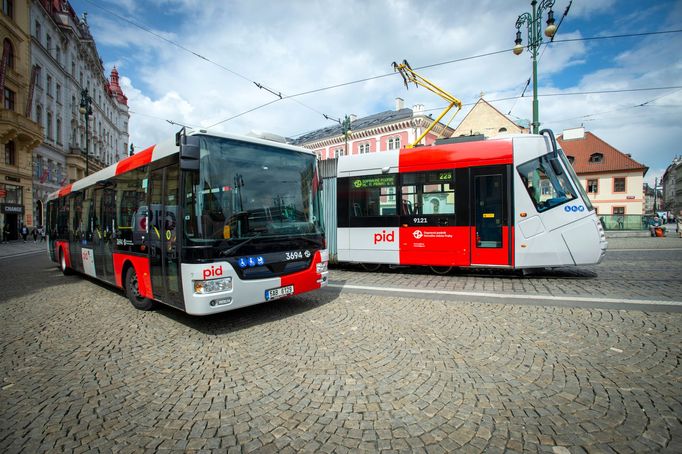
[490, 227]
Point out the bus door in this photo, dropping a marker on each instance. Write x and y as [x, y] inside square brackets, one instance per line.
[103, 231]
[164, 254]
[490, 227]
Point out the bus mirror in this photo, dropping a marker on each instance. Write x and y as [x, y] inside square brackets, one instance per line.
[556, 166]
[189, 153]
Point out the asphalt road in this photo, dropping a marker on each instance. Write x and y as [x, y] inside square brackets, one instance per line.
[584, 360]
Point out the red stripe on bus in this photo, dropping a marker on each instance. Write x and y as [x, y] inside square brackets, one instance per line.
[305, 280]
[456, 155]
[66, 190]
[141, 265]
[139, 159]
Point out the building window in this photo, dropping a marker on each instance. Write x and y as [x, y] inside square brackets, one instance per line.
[394, 143]
[618, 211]
[619, 185]
[39, 114]
[502, 130]
[49, 85]
[339, 152]
[9, 99]
[8, 8]
[596, 157]
[10, 154]
[8, 51]
[39, 76]
[48, 132]
[38, 31]
[592, 186]
[59, 131]
[571, 159]
[58, 93]
[48, 44]
[364, 148]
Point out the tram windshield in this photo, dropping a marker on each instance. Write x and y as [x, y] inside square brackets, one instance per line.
[546, 182]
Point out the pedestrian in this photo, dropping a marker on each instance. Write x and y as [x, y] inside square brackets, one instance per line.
[5, 233]
[41, 231]
[34, 234]
[24, 232]
[620, 222]
[679, 225]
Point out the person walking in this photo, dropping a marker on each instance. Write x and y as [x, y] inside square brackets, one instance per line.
[34, 233]
[6, 232]
[24, 232]
[41, 231]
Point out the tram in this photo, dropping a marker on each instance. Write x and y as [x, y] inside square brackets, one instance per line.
[512, 201]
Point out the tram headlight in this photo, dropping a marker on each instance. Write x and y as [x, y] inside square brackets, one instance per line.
[213, 285]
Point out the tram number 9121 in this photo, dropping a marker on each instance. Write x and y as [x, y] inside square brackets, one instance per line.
[419, 220]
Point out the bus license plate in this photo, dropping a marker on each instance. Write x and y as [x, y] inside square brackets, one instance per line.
[279, 292]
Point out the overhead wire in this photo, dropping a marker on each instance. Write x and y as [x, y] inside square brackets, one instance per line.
[280, 96]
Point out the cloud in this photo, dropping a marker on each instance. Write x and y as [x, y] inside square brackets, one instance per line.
[292, 47]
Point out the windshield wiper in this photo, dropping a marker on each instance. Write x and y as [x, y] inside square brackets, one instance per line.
[227, 252]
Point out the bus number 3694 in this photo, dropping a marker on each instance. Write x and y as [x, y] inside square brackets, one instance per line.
[295, 255]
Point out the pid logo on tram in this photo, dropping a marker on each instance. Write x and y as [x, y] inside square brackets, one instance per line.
[574, 208]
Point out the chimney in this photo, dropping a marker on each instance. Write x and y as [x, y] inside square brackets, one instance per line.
[418, 108]
[399, 103]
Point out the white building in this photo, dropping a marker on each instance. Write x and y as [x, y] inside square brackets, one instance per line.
[65, 62]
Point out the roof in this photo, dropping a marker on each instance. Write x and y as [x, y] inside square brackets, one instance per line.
[612, 160]
[370, 121]
[476, 111]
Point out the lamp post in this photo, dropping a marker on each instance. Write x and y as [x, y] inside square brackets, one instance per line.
[532, 22]
[345, 130]
[86, 109]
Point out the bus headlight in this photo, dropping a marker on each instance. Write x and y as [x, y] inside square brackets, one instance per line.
[321, 267]
[214, 285]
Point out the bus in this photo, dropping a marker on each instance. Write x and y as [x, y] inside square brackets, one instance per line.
[511, 201]
[204, 223]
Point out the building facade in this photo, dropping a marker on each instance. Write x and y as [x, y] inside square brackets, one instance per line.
[672, 187]
[67, 66]
[19, 134]
[485, 119]
[389, 130]
[613, 180]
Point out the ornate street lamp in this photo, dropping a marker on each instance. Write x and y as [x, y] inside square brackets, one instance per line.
[533, 23]
[86, 109]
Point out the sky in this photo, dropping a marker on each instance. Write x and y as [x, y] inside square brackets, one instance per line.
[199, 63]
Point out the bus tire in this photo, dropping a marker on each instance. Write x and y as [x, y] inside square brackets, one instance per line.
[440, 270]
[133, 292]
[371, 267]
[62, 263]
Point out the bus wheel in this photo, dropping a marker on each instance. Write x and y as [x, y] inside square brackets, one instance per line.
[371, 266]
[440, 269]
[62, 263]
[133, 292]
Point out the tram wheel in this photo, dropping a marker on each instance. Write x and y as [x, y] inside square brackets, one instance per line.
[441, 270]
[62, 263]
[371, 266]
[133, 292]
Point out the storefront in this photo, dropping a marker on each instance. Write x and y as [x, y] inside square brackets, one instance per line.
[11, 209]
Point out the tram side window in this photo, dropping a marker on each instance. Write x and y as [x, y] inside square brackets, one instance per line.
[75, 215]
[373, 195]
[546, 188]
[428, 193]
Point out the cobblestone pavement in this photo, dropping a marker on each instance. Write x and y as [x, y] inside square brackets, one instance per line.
[82, 370]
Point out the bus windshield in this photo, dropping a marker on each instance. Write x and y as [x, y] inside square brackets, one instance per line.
[247, 190]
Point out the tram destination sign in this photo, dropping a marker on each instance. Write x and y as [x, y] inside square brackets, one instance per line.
[373, 182]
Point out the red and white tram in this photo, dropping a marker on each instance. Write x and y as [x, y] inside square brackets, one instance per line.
[510, 202]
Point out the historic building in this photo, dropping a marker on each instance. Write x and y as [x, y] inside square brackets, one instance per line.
[613, 180]
[485, 119]
[19, 134]
[672, 187]
[389, 130]
[65, 64]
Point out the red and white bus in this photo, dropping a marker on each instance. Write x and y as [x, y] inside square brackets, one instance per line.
[509, 202]
[205, 223]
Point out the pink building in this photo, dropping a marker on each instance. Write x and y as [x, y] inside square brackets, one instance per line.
[389, 130]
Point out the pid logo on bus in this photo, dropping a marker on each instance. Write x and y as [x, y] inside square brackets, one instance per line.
[574, 208]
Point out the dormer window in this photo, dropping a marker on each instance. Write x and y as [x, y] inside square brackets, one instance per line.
[571, 159]
[596, 157]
